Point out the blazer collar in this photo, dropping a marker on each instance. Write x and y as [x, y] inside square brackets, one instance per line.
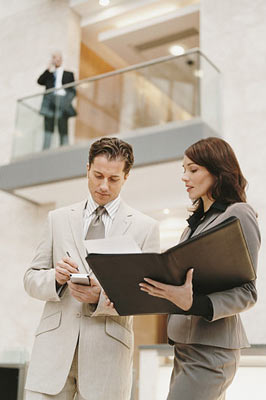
[122, 220]
[75, 215]
[207, 221]
[120, 225]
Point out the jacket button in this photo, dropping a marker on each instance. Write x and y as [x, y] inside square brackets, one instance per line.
[78, 315]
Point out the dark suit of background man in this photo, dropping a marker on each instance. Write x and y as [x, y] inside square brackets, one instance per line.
[56, 106]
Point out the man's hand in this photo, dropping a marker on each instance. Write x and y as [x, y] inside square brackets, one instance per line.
[85, 294]
[64, 268]
[51, 66]
[108, 302]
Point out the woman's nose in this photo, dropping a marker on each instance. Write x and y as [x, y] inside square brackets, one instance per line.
[184, 177]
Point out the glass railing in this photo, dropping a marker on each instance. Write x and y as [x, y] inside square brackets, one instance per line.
[166, 90]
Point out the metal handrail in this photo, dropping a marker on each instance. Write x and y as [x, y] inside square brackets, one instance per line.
[121, 71]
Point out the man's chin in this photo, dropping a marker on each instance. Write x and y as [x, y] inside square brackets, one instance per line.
[102, 200]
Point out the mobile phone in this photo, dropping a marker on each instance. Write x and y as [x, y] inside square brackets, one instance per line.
[81, 279]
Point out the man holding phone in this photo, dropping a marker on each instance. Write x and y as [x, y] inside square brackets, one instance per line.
[83, 348]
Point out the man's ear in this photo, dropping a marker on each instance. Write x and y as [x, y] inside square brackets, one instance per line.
[126, 176]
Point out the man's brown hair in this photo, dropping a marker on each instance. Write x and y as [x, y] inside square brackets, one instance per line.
[113, 149]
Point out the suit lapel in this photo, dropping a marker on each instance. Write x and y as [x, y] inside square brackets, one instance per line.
[207, 221]
[64, 76]
[185, 234]
[122, 221]
[200, 228]
[76, 222]
[120, 225]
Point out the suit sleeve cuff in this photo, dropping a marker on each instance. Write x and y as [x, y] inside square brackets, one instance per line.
[60, 289]
[202, 307]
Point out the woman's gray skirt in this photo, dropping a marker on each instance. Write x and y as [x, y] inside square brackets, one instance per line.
[202, 372]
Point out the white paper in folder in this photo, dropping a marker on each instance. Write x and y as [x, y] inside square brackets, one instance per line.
[115, 244]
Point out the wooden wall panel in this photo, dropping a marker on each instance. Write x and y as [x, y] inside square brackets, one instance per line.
[91, 120]
[91, 64]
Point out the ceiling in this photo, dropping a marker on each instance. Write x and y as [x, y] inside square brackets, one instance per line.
[132, 31]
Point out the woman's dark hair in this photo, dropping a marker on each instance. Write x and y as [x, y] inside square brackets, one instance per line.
[113, 149]
[218, 157]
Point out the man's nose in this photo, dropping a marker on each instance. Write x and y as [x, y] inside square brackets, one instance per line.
[104, 185]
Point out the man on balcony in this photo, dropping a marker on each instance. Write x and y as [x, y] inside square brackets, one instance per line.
[56, 105]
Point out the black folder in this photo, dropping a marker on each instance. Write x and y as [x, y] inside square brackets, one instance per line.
[219, 256]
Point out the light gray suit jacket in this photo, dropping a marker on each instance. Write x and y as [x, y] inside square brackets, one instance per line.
[105, 340]
[225, 329]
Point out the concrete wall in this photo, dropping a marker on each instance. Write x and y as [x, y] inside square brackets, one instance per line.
[232, 36]
[30, 30]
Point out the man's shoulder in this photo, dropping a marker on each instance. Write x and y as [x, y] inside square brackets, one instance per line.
[138, 214]
[68, 73]
[68, 208]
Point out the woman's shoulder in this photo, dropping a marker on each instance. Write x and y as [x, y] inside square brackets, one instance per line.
[249, 223]
[240, 209]
[247, 217]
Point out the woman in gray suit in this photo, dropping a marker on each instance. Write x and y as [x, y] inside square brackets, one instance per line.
[209, 334]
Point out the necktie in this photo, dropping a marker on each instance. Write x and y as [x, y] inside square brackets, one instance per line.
[96, 229]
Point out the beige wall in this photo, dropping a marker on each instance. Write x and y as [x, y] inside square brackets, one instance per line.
[30, 30]
[232, 36]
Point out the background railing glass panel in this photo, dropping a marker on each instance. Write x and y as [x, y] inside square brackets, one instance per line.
[166, 90]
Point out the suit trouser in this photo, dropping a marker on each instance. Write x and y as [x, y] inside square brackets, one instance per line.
[58, 115]
[70, 390]
[49, 123]
[202, 372]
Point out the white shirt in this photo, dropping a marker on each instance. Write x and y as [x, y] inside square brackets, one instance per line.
[107, 218]
[58, 81]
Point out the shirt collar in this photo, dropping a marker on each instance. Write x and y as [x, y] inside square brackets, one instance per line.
[195, 218]
[59, 69]
[219, 206]
[110, 207]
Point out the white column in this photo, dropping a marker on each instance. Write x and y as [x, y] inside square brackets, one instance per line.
[30, 31]
[232, 36]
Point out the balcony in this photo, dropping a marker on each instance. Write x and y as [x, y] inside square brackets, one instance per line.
[160, 107]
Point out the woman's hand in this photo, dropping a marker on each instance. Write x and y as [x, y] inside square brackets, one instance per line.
[181, 296]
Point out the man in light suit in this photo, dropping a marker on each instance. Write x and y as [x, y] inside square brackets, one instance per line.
[82, 345]
[57, 105]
